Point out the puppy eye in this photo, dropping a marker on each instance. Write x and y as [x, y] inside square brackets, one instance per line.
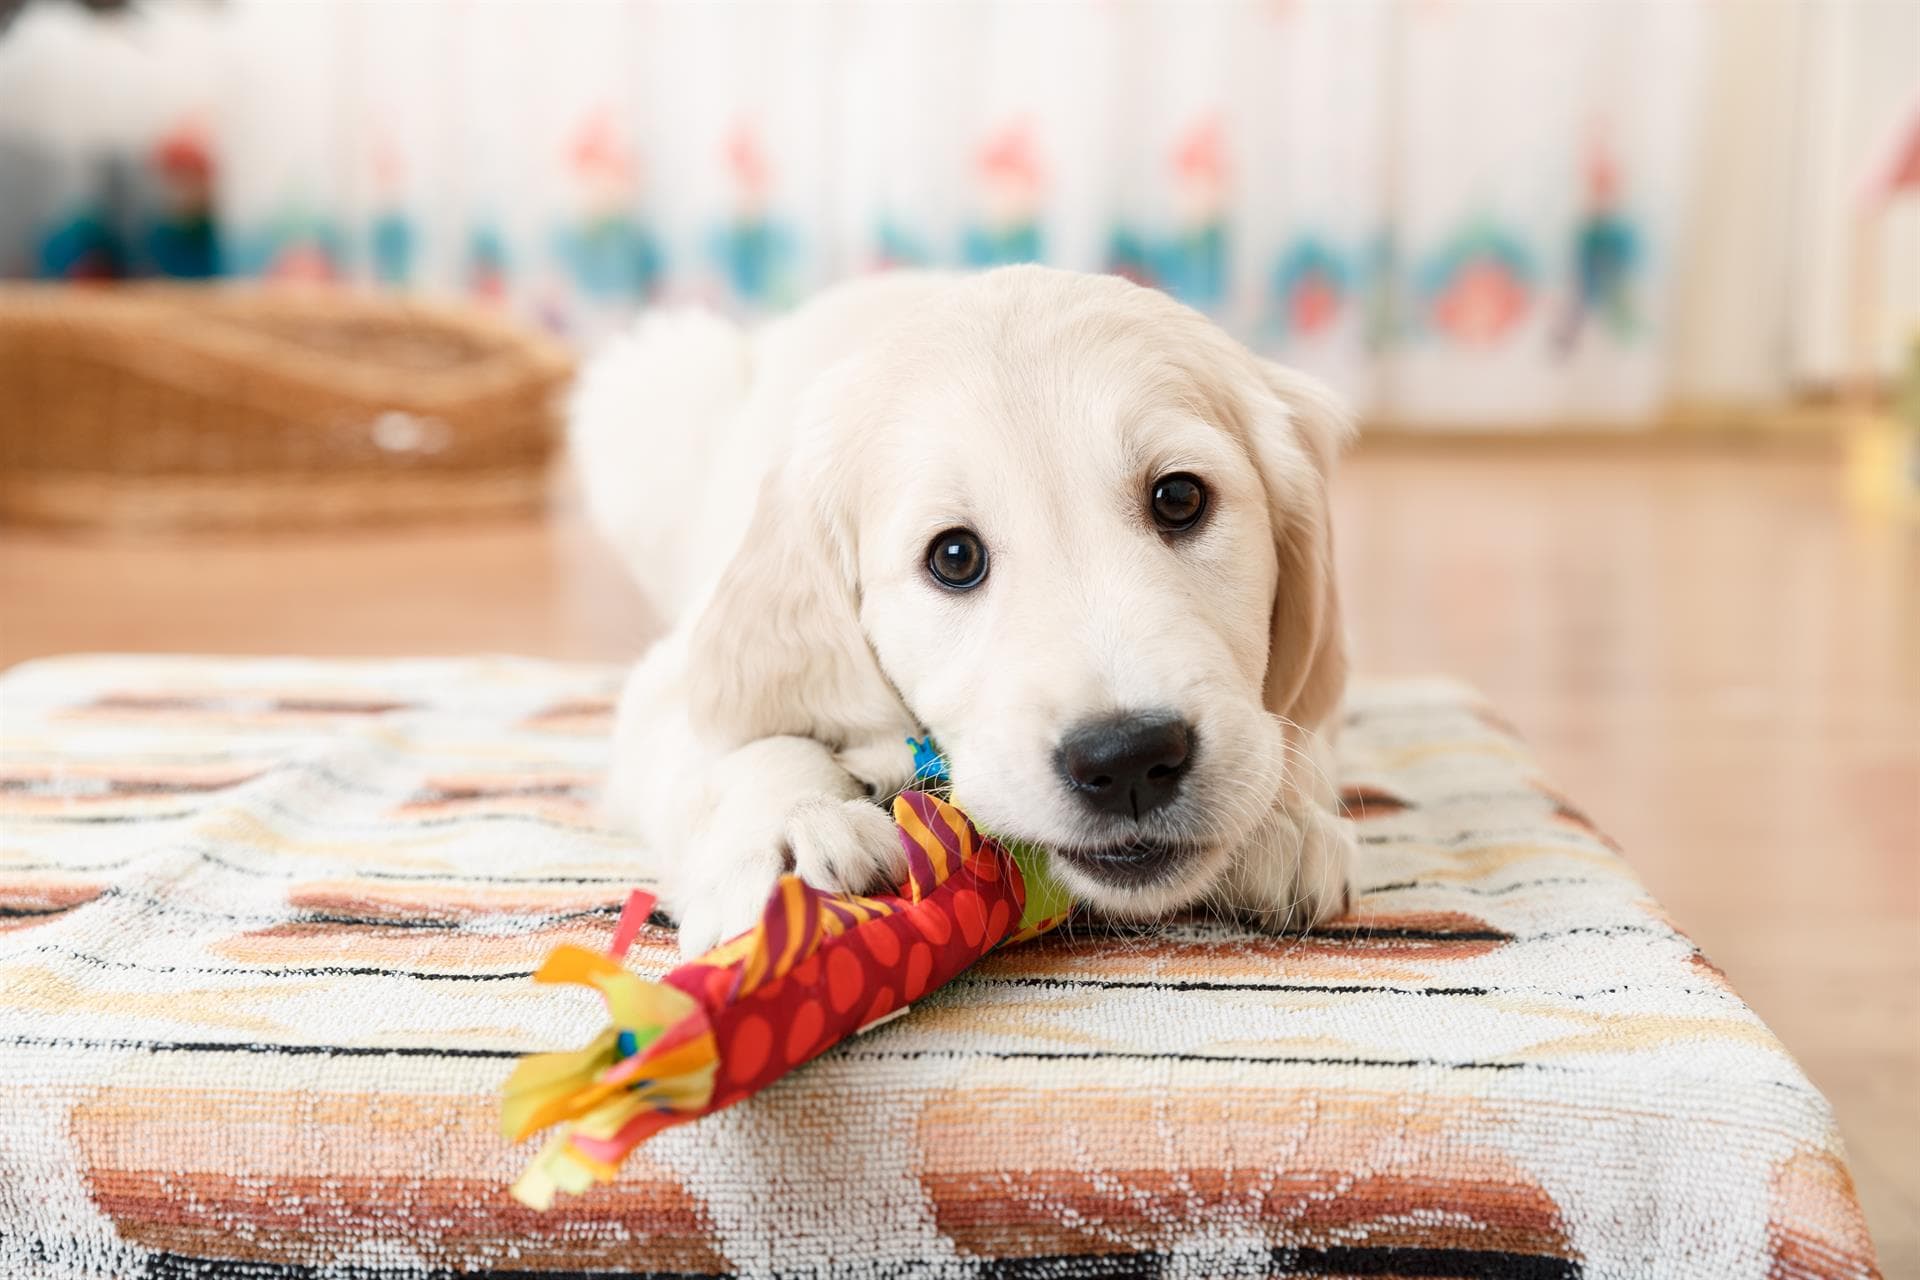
[1179, 500]
[957, 559]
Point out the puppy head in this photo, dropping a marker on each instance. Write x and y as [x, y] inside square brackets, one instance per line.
[1079, 534]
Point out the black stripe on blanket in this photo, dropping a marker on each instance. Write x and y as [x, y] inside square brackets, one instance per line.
[1342, 1260]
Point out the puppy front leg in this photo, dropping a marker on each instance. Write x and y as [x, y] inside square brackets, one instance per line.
[1296, 870]
[1295, 873]
[776, 805]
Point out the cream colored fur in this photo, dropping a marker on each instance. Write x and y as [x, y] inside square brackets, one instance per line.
[775, 493]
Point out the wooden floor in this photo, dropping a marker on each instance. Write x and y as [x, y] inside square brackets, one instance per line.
[1712, 652]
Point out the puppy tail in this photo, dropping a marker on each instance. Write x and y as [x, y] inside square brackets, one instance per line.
[647, 415]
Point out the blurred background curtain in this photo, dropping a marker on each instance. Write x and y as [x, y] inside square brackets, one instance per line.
[1460, 211]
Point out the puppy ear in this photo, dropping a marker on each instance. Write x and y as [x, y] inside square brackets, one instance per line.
[777, 649]
[1298, 429]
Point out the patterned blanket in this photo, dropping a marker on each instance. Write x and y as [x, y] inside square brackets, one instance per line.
[265, 936]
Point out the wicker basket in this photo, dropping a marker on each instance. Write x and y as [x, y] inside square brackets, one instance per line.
[176, 406]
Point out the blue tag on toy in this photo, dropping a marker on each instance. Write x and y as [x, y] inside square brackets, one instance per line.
[929, 766]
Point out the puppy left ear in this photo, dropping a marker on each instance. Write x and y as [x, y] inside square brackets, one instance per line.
[778, 649]
[1298, 428]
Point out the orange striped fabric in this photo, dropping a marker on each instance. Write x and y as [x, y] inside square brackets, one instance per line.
[267, 929]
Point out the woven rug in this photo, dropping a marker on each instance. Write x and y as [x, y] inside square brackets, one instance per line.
[266, 930]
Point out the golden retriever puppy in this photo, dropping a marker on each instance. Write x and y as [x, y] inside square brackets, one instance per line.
[1060, 521]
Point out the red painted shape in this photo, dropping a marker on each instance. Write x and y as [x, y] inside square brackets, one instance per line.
[970, 913]
[919, 969]
[809, 1020]
[935, 926]
[883, 944]
[845, 979]
[749, 1049]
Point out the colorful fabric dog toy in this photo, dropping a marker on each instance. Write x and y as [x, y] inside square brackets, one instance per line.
[818, 968]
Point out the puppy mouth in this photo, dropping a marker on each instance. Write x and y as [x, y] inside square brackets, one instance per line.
[1133, 864]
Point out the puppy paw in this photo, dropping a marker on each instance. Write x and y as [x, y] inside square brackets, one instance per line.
[840, 846]
[883, 768]
[1299, 877]
[1324, 880]
[845, 846]
[720, 911]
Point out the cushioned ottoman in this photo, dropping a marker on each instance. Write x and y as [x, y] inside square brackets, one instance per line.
[268, 925]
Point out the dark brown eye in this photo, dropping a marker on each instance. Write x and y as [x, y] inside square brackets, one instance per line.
[1179, 500]
[957, 559]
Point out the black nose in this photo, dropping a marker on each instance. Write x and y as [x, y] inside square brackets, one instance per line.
[1126, 765]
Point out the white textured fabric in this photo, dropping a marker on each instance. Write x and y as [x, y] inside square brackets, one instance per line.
[266, 929]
